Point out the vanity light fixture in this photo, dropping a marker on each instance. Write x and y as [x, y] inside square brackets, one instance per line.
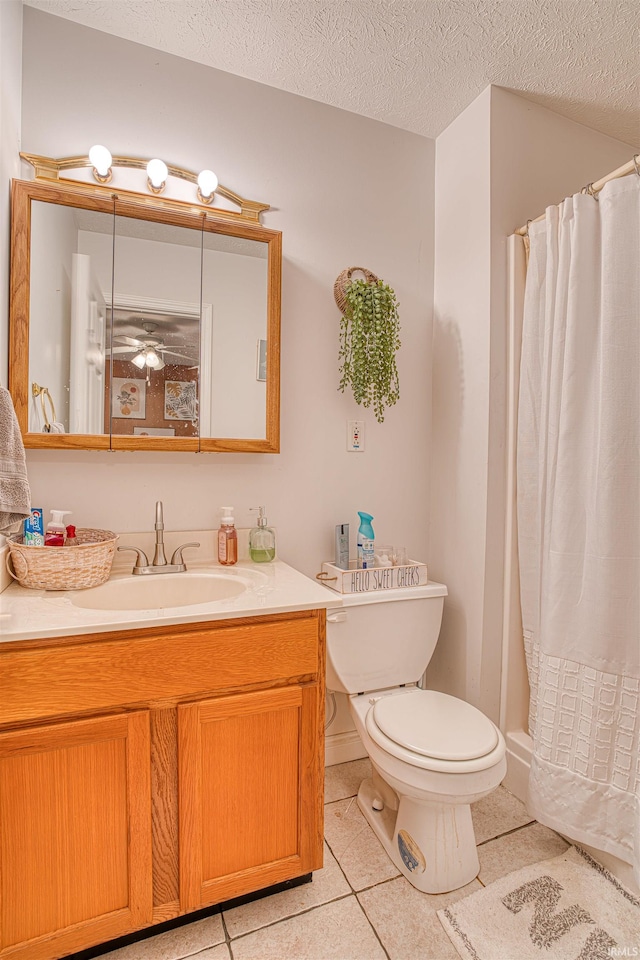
[104, 166]
[100, 160]
[207, 183]
[157, 173]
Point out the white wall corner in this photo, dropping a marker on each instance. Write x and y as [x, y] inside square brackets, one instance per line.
[460, 402]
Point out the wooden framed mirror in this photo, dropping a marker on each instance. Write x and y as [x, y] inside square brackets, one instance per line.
[142, 324]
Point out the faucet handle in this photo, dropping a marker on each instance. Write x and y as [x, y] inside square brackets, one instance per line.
[141, 559]
[177, 557]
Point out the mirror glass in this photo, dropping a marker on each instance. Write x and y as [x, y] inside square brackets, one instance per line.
[154, 333]
[141, 328]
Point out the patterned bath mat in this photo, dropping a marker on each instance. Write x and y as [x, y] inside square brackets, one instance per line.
[568, 908]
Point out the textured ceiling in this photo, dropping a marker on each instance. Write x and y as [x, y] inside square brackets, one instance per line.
[415, 64]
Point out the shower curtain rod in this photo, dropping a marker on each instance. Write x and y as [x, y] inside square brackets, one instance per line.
[632, 166]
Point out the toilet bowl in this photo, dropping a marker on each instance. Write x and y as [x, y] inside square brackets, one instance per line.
[432, 754]
[419, 805]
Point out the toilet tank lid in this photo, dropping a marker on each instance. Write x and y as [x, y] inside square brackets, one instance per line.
[430, 589]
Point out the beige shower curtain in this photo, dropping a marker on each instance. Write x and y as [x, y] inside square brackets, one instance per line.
[578, 493]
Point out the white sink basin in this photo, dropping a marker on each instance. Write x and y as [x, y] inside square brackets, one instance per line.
[160, 590]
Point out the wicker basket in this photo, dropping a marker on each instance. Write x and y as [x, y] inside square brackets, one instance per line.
[88, 564]
[343, 279]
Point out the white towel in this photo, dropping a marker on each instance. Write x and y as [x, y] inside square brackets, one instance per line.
[15, 496]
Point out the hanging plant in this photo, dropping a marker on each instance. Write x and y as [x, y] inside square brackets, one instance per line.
[369, 340]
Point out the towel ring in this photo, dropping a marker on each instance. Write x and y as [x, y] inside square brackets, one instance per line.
[43, 393]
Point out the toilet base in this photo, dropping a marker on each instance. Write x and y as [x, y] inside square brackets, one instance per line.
[432, 844]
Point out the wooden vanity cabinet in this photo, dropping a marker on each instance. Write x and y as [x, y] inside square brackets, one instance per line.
[151, 773]
[75, 828]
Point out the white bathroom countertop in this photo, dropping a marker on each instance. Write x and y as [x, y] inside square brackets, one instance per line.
[271, 588]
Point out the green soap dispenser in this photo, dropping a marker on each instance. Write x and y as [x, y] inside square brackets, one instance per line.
[262, 539]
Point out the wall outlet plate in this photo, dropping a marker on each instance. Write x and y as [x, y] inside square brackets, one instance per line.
[355, 436]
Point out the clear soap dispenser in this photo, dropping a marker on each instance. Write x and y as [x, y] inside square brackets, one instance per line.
[227, 538]
[262, 539]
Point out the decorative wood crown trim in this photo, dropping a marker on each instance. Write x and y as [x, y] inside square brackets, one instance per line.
[48, 168]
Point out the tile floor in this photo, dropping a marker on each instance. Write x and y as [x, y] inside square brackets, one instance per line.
[358, 907]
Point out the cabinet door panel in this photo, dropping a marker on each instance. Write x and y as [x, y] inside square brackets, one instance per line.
[75, 834]
[250, 761]
[241, 793]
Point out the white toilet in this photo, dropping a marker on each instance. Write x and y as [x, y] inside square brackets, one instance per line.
[432, 754]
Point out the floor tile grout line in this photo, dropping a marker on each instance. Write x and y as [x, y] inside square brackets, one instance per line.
[372, 925]
[349, 884]
[227, 935]
[194, 956]
[299, 913]
[349, 796]
[372, 886]
[291, 916]
[506, 833]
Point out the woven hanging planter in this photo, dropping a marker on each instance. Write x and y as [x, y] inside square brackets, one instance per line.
[369, 339]
[344, 279]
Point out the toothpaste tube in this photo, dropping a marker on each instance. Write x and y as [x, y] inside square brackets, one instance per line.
[33, 533]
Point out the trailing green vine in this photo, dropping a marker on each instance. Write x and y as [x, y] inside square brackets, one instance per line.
[369, 339]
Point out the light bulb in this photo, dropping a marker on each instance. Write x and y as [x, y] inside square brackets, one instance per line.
[152, 359]
[100, 159]
[207, 183]
[157, 173]
[139, 360]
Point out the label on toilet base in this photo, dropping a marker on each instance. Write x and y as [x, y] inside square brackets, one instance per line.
[412, 855]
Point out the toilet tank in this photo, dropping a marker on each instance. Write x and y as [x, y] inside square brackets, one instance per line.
[379, 640]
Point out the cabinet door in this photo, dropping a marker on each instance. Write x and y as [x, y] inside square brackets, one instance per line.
[75, 834]
[250, 793]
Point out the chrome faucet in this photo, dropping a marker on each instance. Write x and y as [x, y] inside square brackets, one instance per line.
[143, 567]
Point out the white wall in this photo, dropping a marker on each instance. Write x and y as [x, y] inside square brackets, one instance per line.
[331, 178]
[498, 164]
[461, 395]
[10, 87]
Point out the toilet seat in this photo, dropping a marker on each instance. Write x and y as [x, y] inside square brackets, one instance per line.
[434, 731]
[435, 725]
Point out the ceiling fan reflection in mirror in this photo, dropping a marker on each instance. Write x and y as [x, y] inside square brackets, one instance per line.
[149, 350]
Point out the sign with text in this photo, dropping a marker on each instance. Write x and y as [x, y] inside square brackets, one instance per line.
[374, 579]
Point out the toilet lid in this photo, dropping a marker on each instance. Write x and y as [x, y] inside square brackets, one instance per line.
[435, 725]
